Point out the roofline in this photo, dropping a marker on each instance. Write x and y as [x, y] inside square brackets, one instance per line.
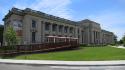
[107, 31]
[38, 14]
[13, 11]
[88, 21]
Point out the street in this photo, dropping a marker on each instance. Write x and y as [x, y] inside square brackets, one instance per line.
[43, 67]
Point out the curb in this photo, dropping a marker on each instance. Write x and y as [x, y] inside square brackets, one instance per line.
[62, 63]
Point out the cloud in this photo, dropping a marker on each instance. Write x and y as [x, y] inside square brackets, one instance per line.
[111, 20]
[55, 7]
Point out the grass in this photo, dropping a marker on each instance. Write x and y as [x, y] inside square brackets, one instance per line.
[84, 53]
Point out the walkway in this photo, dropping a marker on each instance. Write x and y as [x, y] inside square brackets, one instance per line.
[9, 64]
[64, 63]
[50, 67]
[119, 47]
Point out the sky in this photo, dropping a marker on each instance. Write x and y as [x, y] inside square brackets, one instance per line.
[108, 13]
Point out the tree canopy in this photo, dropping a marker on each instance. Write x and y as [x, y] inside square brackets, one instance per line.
[10, 36]
[123, 39]
[1, 33]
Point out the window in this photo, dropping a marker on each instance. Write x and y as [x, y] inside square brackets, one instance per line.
[17, 24]
[78, 31]
[33, 37]
[71, 30]
[66, 29]
[20, 25]
[33, 24]
[54, 27]
[60, 28]
[47, 26]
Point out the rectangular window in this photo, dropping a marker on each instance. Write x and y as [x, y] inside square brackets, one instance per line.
[66, 29]
[33, 24]
[54, 27]
[60, 28]
[33, 37]
[71, 30]
[47, 26]
[78, 31]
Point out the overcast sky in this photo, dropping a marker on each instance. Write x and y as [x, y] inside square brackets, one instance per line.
[109, 13]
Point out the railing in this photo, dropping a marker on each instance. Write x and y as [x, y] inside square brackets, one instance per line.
[21, 49]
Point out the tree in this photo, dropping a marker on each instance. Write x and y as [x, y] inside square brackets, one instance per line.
[1, 33]
[10, 36]
[123, 39]
[115, 39]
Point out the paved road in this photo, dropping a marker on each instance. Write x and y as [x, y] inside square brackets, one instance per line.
[40, 67]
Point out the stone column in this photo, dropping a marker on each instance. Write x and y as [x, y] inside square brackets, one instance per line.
[27, 29]
[43, 31]
[88, 36]
[57, 29]
[94, 37]
[68, 29]
[39, 31]
[97, 38]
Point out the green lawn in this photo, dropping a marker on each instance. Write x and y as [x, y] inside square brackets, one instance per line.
[84, 53]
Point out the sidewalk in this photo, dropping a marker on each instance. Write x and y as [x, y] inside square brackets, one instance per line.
[119, 47]
[64, 63]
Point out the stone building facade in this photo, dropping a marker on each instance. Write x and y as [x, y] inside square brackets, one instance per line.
[33, 26]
